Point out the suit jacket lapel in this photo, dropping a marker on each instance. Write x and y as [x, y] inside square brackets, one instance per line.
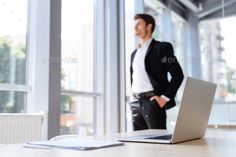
[151, 46]
[132, 56]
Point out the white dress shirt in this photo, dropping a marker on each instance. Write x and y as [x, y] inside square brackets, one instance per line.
[141, 82]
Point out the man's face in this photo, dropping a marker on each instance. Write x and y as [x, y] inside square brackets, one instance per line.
[140, 28]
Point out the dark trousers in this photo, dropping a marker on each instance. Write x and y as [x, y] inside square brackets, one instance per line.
[147, 114]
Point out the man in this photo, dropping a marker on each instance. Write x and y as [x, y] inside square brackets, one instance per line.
[153, 93]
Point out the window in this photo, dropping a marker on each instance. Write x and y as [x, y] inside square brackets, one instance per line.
[129, 39]
[216, 54]
[129, 48]
[218, 65]
[178, 44]
[12, 102]
[77, 70]
[155, 9]
[77, 115]
[13, 15]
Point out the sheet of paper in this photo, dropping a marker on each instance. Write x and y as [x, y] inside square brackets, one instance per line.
[79, 144]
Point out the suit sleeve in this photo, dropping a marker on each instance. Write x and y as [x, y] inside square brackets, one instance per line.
[173, 67]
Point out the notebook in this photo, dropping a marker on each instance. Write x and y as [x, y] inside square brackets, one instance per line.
[77, 144]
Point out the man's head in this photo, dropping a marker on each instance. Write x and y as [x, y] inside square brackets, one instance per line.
[144, 25]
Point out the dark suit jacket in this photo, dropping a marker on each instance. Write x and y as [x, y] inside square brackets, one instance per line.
[160, 60]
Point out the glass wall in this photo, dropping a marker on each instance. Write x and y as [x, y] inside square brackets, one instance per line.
[156, 10]
[129, 38]
[178, 43]
[77, 72]
[217, 54]
[12, 102]
[13, 15]
[129, 48]
[217, 61]
[78, 59]
[77, 115]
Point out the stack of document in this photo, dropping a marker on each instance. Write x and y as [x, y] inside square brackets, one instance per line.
[78, 144]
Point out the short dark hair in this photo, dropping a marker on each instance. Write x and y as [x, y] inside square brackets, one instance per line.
[148, 19]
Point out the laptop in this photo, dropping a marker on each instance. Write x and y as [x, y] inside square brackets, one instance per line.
[193, 116]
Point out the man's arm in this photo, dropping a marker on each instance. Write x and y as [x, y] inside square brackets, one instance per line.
[173, 68]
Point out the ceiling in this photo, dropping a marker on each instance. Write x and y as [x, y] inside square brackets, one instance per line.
[207, 9]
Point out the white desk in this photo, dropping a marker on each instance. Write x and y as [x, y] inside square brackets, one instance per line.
[216, 143]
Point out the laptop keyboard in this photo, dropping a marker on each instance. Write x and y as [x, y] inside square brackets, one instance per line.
[163, 137]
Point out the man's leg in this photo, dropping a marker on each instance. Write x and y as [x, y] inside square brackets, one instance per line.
[154, 115]
[138, 121]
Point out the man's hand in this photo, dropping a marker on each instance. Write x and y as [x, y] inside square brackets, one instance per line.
[159, 100]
